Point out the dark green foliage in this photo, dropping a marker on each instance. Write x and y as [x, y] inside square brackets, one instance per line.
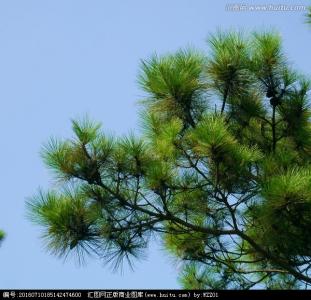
[221, 172]
[2, 235]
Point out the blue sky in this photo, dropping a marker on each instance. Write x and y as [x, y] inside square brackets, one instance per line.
[62, 59]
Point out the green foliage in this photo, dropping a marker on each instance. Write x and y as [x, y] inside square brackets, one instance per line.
[175, 85]
[85, 130]
[2, 235]
[308, 17]
[295, 112]
[285, 213]
[229, 161]
[182, 243]
[196, 277]
[162, 135]
[68, 221]
[227, 188]
[268, 56]
[228, 65]
[193, 279]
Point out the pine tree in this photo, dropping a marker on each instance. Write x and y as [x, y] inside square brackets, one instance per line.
[220, 173]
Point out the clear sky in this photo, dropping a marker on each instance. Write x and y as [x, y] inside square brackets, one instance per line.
[61, 59]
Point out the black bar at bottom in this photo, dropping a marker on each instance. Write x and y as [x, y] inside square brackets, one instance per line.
[154, 294]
